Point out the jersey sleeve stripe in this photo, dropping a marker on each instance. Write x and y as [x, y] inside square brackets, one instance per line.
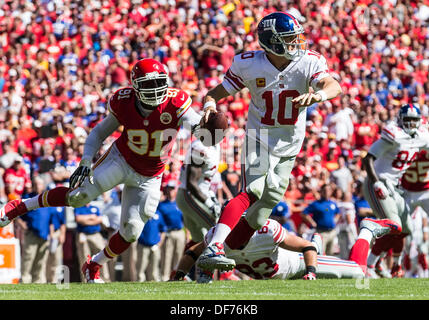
[314, 76]
[229, 75]
[389, 133]
[281, 234]
[181, 111]
[232, 83]
[235, 76]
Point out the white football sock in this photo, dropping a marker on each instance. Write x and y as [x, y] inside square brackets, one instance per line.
[366, 235]
[220, 233]
[100, 258]
[372, 259]
[32, 203]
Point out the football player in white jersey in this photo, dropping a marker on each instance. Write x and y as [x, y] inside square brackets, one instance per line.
[198, 203]
[273, 253]
[387, 160]
[283, 79]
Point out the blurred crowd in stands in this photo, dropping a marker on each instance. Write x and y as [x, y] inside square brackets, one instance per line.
[60, 61]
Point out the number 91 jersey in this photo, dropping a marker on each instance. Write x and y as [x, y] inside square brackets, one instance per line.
[146, 141]
[272, 90]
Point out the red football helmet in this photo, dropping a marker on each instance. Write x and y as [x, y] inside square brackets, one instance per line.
[149, 80]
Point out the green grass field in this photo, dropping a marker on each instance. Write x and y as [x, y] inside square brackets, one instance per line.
[344, 289]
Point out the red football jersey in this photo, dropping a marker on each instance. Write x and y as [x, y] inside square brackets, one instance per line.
[146, 142]
[416, 178]
[16, 180]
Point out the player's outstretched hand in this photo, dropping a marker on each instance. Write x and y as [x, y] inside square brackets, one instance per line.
[78, 177]
[206, 115]
[306, 99]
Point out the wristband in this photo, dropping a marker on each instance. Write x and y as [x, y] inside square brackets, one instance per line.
[425, 229]
[323, 95]
[208, 104]
[308, 248]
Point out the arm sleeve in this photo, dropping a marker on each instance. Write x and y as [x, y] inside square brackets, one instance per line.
[379, 147]
[233, 81]
[97, 135]
[318, 71]
[191, 119]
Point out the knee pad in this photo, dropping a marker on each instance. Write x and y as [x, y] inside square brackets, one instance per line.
[149, 204]
[131, 230]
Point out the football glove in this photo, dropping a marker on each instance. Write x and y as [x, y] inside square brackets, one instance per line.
[213, 204]
[309, 276]
[380, 190]
[78, 177]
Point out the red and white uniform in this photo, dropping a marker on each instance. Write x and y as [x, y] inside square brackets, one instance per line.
[146, 142]
[136, 159]
[394, 152]
[272, 91]
[262, 258]
[416, 182]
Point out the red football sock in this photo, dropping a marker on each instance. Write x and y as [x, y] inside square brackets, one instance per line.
[359, 253]
[116, 246]
[407, 262]
[240, 235]
[381, 245]
[398, 242]
[54, 198]
[422, 260]
[235, 209]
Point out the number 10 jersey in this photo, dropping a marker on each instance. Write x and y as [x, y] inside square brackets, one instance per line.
[271, 93]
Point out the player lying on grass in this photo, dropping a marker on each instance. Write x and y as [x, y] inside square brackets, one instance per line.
[273, 253]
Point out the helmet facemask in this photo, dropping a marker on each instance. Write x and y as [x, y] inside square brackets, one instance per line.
[292, 46]
[410, 124]
[151, 89]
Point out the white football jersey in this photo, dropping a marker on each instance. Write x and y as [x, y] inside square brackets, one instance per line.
[262, 258]
[271, 94]
[208, 158]
[396, 150]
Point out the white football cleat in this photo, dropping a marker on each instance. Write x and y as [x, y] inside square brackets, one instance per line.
[213, 257]
[381, 227]
[91, 271]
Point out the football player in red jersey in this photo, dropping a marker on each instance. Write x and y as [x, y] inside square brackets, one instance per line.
[151, 114]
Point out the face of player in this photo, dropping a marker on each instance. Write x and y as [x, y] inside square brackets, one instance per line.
[411, 123]
[151, 92]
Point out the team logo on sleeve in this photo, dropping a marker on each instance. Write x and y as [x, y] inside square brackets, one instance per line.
[260, 82]
[165, 118]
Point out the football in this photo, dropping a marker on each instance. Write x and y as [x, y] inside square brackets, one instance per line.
[214, 129]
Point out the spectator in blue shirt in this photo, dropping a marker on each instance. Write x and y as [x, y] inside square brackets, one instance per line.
[57, 237]
[323, 215]
[89, 240]
[35, 225]
[282, 214]
[363, 209]
[148, 249]
[175, 239]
